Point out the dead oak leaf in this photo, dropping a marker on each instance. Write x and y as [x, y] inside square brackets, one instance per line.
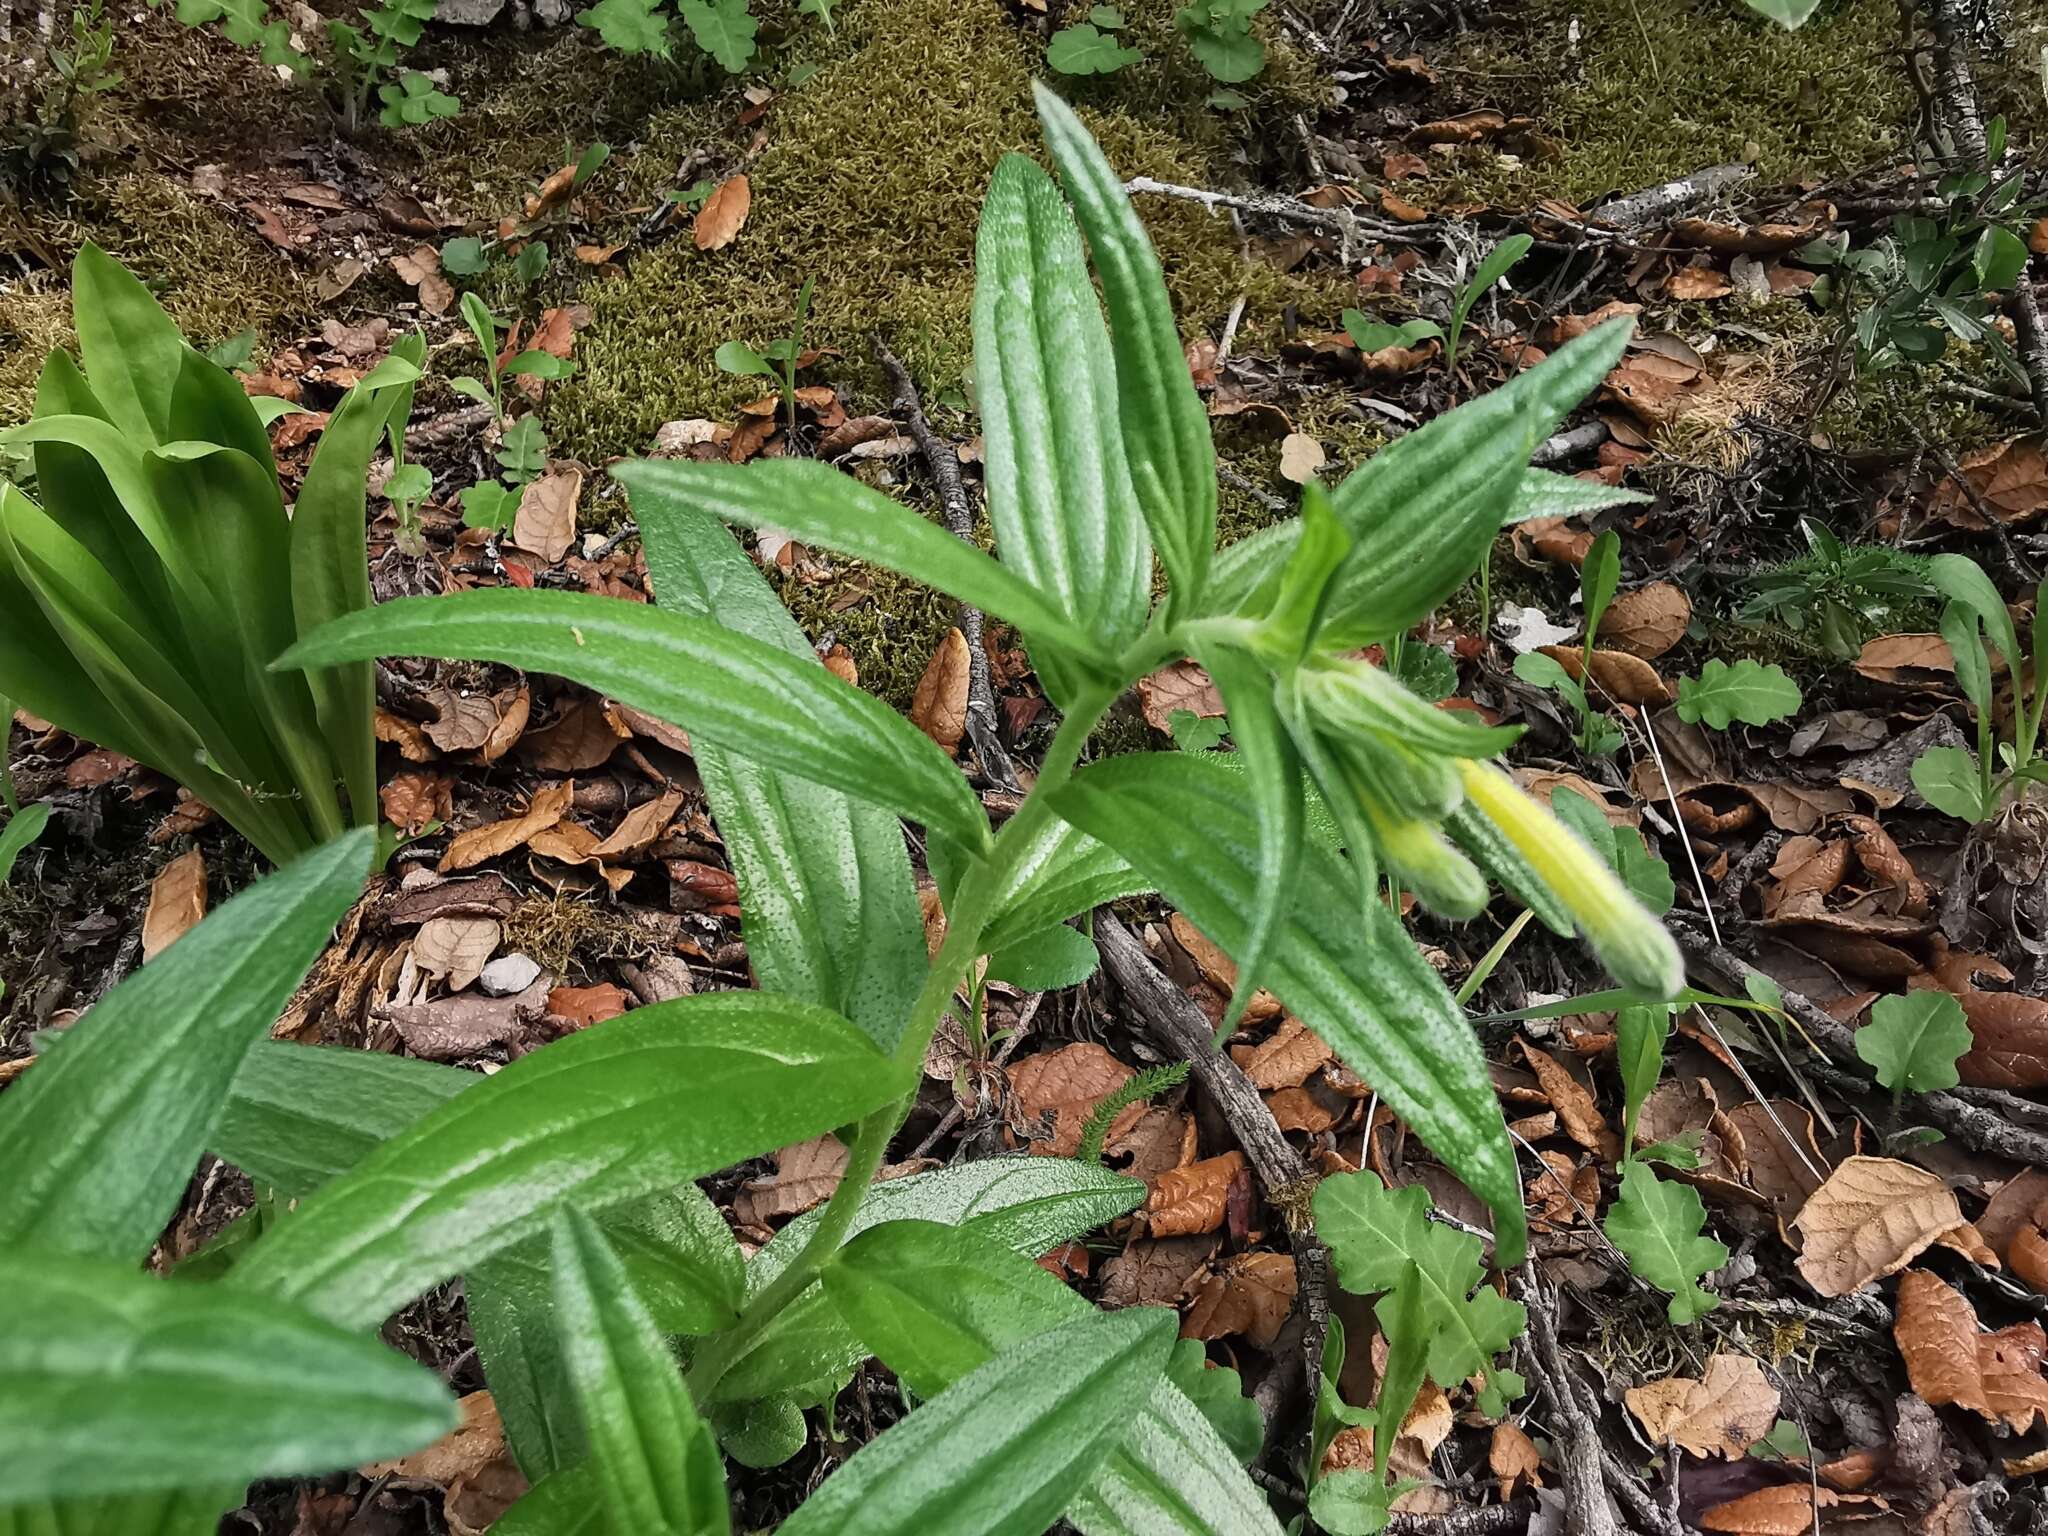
[939, 708]
[1574, 1104]
[581, 1007]
[1185, 1201]
[1178, 685]
[1787, 1509]
[1723, 1413]
[1249, 1294]
[545, 524]
[1871, 1218]
[724, 211]
[1648, 621]
[1513, 1459]
[544, 810]
[456, 949]
[1065, 1086]
[1949, 1361]
[805, 1176]
[413, 798]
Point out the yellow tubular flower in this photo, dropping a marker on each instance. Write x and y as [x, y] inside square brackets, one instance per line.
[1443, 879]
[1632, 944]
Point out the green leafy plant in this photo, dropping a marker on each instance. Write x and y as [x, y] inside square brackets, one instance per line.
[1749, 692]
[45, 131]
[1789, 14]
[1090, 47]
[1622, 849]
[522, 451]
[1370, 335]
[1657, 1224]
[1842, 594]
[1598, 577]
[1975, 787]
[23, 827]
[547, 207]
[722, 30]
[155, 573]
[1219, 34]
[1197, 733]
[393, 1177]
[1352, 1501]
[1931, 277]
[1140, 1088]
[1913, 1042]
[779, 360]
[1498, 263]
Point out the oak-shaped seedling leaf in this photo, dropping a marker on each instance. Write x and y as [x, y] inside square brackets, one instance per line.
[1657, 1226]
[1087, 50]
[1373, 1233]
[1914, 1042]
[1721, 695]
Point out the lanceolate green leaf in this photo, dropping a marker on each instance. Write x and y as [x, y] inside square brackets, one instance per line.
[934, 1302]
[1353, 976]
[130, 346]
[656, 1463]
[1000, 1452]
[102, 1137]
[638, 1104]
[299, 1115]
[1539, 493]
[830, 510]
[187, 1512]
[826, 895]
[733, 691]
[22, 828]
[1062, 873]
[1166, 432]
[127, 1383]
[1639, 1050]
[1059, 491]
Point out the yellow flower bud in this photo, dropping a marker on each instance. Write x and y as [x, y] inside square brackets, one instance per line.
[1632, 944]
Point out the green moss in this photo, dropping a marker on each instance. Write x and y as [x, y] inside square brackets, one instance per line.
[891, 630]
[1655, 89]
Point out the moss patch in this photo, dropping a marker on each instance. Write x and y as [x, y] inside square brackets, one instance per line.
[1655, 89]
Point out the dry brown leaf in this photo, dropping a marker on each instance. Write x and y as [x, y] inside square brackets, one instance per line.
[510, 725]
[405, 735]
[639, 827]
[465, 1023]
[2012, 1207]
[1777, 1170]
[1629, 679]
[456, 949]
[1184, 1201]
[1514, 1459]
[1697, 282]
[2010, 1040]
[547, 807]
[1872, 1218]
[805, 1176]
[1949, 1361]
[1178, 685]
[415, 797]
[1302, 1109]
[582, 737]
[1287, 1057]
[1220, 972]
[1648, 621]
[1066, 1085]
[1465, 128]
[545, 524]
[1784, 1510]
[2010, 479]
[840, 663]
[471, 1463]
[1575, 1108]
[477, 721]
[1907, 661]
[939, 708]
[1301, 458]
[724, 211]
[571, 842]
[1731, 1407]
[177, 901]
[1250, 1294]
[1154, 1272]
[581, 1007]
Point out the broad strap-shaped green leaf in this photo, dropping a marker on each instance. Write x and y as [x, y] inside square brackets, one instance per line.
[186, 1512]
[1167, 445]
[934, 1302]
[827, 898]
[125, 1383]
[1353, 976]
[1962, 580]
[1061, 873]
[22, 828]
[1059, 490]
[638, 1104]
[1029, 1204]
[1273, 777]
[733, 691]
[685, 1266]
[1423, 511]
[1000, 1452]
[1374, 1233]
[299, 1115]
[656, 1463]
[130, 346]
[102, 1137]
[1640, 1033]
[830, 510]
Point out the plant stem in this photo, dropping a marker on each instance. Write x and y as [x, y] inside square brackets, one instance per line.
[972, 904]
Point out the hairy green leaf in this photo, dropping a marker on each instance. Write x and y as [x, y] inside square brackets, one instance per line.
[724, 29]
[1539, 493]
[1647, 877]
[1640, 1035]
[1948, 779]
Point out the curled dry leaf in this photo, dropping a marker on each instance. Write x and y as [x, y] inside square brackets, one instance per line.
[1949, 1361]
[451, 1028]
[581, 1007]
[471, 1463]
[405, 735]
[1250, 1294]
[1465, 128]
[177, 901]
[1178, 685]
[939, 708]
[1184, 1201]
[1066, 1085]
[2009, 1040]
[1574, 1104]
[1648, 621]
[2012, 1208]
[1907, 661]
[805, 1176]
[582, 737]
[456, 949]
[1154, 1272]
[1697, 282]
[1872, 1218]
[724, 211]
[2009, 479]
[1784, 1510]
[1220, 972]
[544, 810]
[1514, 1459]
[1731, 1407]
[414, 797]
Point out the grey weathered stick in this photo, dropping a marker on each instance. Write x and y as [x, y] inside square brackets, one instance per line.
[2033, 343]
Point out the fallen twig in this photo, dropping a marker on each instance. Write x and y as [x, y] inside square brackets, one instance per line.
[2033, 343]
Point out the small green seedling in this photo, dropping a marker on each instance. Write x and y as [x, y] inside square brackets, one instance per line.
[723, 30]
[1598, 577]
[1370, 335]
[1913, 1042]
[1721, 695]
[1975, 787]
[779, 360]
[1091, 47]
[522, 451]
[1197, 733]
[1496, 266]
[1841, 594]
[549, 206]
[1658, 1225]
[1219, 34]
